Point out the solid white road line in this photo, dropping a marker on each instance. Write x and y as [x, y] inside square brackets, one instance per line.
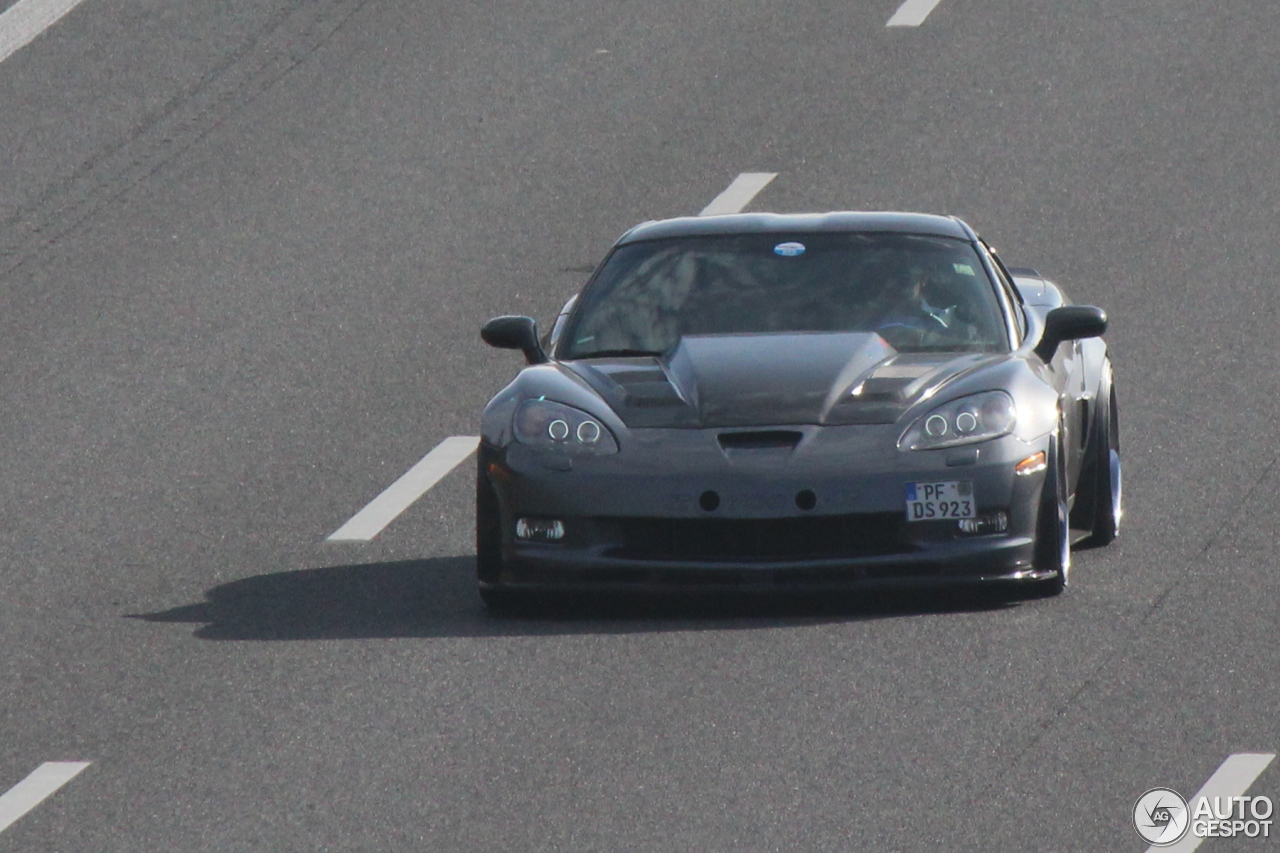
[1232, 779]
[31, 791]
[26, 19]
[912, 13]
[739, 193]
[382, 510]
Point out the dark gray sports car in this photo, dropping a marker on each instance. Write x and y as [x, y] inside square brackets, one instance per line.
[800, 402]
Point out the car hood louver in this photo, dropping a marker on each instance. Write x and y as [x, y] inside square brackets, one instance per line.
[752, 380]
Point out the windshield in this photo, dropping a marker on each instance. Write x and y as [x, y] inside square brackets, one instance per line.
[920, 293]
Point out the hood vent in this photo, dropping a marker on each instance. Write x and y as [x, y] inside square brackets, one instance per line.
[756, 386]
[761, 439]
[645, 387]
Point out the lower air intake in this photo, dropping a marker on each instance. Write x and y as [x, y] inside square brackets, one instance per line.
[809, 537]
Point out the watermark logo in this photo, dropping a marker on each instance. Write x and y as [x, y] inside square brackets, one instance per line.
[1231, 817]
[1161, 817]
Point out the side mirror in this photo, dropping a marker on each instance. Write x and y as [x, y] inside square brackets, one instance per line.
[1070, 323]
[515, 333]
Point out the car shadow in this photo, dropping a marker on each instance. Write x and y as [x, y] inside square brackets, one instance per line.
[437, 598]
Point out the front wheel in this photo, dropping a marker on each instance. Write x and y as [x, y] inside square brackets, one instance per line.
[1107, 484]
[488, 531]
[1053, 529]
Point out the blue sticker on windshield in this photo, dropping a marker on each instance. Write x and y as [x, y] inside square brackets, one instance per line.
[789, 250]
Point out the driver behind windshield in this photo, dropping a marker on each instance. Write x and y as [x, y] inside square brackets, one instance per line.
[918, 292]
[920, 306]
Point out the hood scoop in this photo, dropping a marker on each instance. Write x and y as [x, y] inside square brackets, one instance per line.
[750, 380]
[646, 388]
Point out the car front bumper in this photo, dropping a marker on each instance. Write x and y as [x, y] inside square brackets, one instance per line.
[819, 517]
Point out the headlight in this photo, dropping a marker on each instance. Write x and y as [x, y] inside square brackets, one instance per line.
[549, 425]
[978, 417]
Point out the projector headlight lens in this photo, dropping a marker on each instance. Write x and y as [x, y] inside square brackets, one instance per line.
[551, 425]
[977, 417]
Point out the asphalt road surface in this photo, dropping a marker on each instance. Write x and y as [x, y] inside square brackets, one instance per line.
[245, 251]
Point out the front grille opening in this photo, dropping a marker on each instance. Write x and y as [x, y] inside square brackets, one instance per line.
[807, 537]
[761, 439]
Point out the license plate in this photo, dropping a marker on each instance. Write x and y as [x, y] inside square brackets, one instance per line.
[946, 499]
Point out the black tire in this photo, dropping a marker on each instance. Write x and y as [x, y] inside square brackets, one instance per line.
[1107, 492]
[1053, 529]
[489, 562]
[488, 532]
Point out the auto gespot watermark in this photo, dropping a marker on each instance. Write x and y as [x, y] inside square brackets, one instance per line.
[1162, 817]
[1228, 817]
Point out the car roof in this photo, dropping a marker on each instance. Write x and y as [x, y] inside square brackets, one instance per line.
[765, 223]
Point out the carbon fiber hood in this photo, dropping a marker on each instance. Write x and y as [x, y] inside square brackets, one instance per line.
[767, 380]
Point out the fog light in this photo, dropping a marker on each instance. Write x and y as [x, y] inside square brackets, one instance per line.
[991, 522]
[540, 529]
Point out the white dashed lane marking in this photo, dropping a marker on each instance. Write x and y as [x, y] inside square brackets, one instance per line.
[739, 194]
[912, 13]
[1232, 779]
[26, 19]
[31, 791]
[382, 510]
[400, 495]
